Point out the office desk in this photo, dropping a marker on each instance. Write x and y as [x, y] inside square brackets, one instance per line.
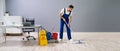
[38, 27]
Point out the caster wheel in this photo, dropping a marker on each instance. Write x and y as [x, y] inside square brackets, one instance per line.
[56, 42]
[34, 38]
[28, 39]
[23, 39]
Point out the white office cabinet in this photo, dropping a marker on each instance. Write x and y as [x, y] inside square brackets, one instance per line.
[13, 21]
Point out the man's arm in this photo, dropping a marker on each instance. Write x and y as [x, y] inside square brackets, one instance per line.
[70, 19]
[60, 15]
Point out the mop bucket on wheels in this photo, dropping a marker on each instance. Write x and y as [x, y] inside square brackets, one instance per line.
[49, 35]
[42, 38]
[54, 35]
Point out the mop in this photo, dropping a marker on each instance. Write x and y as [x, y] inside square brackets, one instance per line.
[79, 42]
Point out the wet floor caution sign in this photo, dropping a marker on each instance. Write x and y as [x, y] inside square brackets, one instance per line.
[43, 38]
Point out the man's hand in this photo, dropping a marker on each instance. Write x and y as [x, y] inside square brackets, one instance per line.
[69, 25]
[64, 20]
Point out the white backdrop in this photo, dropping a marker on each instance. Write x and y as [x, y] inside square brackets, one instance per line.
[2, 10]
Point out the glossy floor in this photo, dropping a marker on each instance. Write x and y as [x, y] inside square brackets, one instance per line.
[88, 42]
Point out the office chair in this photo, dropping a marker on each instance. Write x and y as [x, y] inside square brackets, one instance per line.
[28, 22]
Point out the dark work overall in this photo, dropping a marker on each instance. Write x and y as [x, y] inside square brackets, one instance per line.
[66, 16]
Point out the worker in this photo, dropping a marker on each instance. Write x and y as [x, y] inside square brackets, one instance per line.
[65, 19]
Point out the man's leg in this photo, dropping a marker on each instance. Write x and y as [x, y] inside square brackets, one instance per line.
[61, 29]
[68, 32]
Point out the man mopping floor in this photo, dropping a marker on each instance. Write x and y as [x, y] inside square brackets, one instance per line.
[65, 18]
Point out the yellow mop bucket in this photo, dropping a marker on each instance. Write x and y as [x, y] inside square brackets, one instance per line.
[43, 38]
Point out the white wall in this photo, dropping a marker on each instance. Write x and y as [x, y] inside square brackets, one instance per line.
[2, 7]
[2, 10]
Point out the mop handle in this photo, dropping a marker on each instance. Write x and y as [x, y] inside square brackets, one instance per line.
[67, 25]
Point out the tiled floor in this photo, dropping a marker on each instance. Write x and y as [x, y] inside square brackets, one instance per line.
[90, 42]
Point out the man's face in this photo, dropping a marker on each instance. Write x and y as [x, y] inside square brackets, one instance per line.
[70, 9]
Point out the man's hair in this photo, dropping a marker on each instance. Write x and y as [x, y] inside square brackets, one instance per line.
[71, 6]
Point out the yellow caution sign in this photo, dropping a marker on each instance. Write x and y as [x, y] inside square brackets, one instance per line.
[43, 38]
